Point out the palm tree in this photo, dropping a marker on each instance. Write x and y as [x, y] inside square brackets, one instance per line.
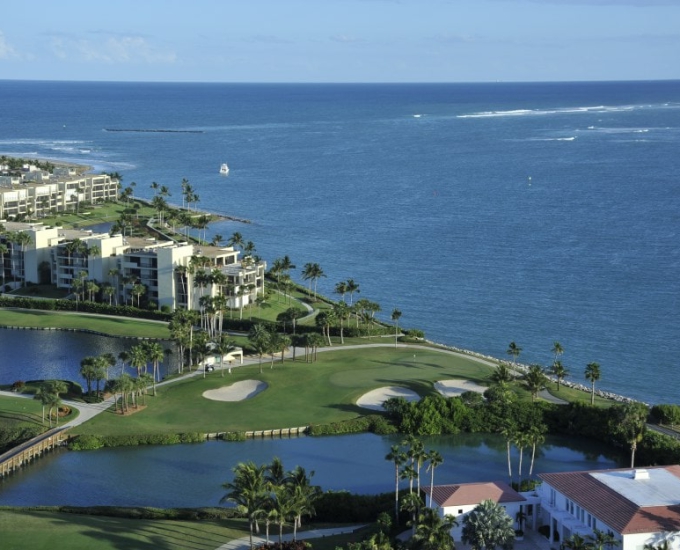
[576, 542]
[521, 442]
[396, 315]
[487, 527]
[352, 287]
[324, 320]
[410, 473]
[305, 493]
[312, 272]
[603, 540]
[397, 456]
[514, 350]
[236, 240]
[342, 312]
[224, 346]
[629, 422]
[559, 371]
[248, 490]
[536, 437]
[3, 250]
[433, 531]
[508, 433]
[138, 358]
[88, 372]
[22, 239]
[155, 354]
[557, 349]
[419, 455]
[592, 373]
[341, 288]
[502, 374]
[434, 459]
[259, 337]
[535, 380]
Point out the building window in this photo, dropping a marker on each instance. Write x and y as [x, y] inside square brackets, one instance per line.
[460, 511]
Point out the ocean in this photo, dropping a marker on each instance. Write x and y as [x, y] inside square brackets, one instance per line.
[486, 213]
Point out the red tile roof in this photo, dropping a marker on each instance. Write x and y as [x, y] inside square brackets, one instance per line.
[473, 493]
[612, 508]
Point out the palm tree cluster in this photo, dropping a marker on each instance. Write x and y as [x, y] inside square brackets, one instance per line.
[280, 270]
[13, 243]
[265, 340]
[408, 459]
[269, 494]
[600, 540]
[536, 378]
[49, 396]
[96, 369]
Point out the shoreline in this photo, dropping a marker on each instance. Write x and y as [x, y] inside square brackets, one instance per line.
[492, 361]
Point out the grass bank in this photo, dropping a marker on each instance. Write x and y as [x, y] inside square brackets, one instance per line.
[113, 326]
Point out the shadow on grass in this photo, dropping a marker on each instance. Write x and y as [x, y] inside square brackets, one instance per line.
[112, 532]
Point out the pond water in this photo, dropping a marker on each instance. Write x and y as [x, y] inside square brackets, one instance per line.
[192, 475]
[55, 354]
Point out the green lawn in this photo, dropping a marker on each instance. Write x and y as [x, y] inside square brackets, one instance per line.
[19, 412]
[41, 530]
[31, 530]
[298, 393]
[16, 411]
[115, 326]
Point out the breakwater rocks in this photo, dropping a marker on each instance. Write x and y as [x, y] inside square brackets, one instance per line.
[523, 369]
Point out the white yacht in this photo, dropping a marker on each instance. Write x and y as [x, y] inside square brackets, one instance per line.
[224, 169]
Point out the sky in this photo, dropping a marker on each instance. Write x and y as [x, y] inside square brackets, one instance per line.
[340, 40]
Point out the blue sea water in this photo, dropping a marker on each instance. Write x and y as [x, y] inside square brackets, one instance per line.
[504, 212]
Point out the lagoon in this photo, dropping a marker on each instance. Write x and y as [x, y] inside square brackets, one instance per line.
[55, 354]
[192, 475]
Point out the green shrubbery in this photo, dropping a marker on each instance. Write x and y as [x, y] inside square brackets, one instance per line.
[435, 415]
[372, 423]
[83, 307]
[91, 442]
[234, 436]
[666, 414]
[345, 507]
[13, 436]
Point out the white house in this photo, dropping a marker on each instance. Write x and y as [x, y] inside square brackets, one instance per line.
[638, 506]
[460, 499]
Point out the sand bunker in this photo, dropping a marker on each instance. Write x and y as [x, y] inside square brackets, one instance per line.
[375, 399]
[236, 392]
[452, 388]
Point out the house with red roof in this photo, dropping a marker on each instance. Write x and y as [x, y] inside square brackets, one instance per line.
[638, 506]
[460, 499]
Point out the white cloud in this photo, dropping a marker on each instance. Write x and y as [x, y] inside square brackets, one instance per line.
[6, 49]
[345, 38]
[110, 49]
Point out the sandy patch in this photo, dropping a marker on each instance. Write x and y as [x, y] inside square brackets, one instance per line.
[236, 392]
[452, 388]
[375, 399]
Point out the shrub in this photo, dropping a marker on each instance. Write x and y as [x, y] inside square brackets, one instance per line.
[18, 386]
[234, 436]
[132, 440]
[85, 443]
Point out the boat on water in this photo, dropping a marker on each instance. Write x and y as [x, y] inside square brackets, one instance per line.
[224, 169]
